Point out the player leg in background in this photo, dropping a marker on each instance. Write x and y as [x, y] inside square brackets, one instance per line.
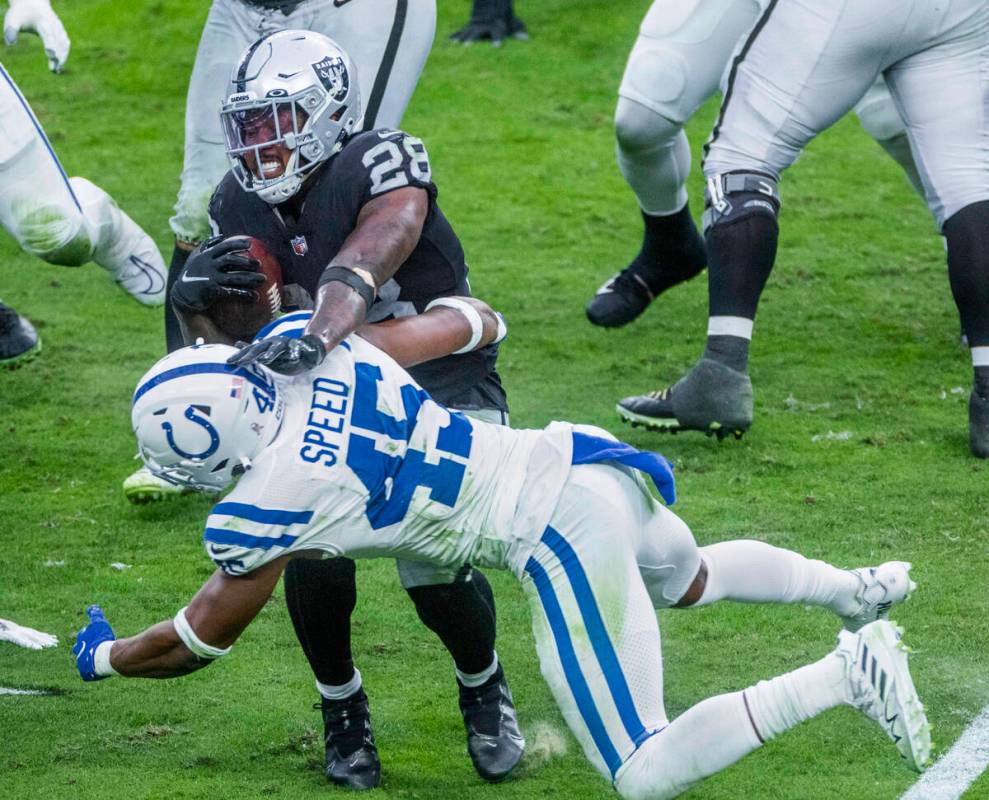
[777, 99]
[676, 64]
[878, 116]
[63, 221]
[230, 27]
[389, 42]
[942, 94]
[599, 648]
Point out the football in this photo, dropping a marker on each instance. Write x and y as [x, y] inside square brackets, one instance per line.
[242, 318]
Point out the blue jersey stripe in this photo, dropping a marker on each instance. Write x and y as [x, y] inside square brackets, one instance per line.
[597, 633]
[200, 369]
[224, 536]
[41, 133]
[571, 666]
[269, 516]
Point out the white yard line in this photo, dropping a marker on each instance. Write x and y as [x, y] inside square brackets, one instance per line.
[957, 769]
[7, 690]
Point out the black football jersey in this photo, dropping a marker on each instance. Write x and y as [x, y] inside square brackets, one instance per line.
[370, 164]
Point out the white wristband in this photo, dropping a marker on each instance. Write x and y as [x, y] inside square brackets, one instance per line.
[472, 316]
[101, 660]
[193, 642]
[502, 329]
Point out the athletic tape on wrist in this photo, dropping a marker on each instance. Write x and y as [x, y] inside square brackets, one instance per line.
[193, 642]
[101, 660]
[472, 316]
[502, 328]
[351, 277]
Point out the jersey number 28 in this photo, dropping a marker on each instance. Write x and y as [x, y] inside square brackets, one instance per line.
[392, 162]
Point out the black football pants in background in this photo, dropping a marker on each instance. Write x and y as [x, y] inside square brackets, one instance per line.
[321, 596]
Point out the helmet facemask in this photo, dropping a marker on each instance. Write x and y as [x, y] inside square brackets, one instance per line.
[296, 91]
[199, 422]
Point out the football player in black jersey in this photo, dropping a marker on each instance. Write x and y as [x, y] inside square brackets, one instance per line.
[353, 219]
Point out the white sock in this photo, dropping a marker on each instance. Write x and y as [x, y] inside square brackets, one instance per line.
[475, 679]
[705, 739]
[730, 326]
[343, 691]
[980, 356]
[781, 703]
[748, 571]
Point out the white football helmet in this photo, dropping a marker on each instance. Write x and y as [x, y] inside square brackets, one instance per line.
[199, 422]
[303, 86]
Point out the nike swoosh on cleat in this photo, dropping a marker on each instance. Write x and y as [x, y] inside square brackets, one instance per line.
[156, 284]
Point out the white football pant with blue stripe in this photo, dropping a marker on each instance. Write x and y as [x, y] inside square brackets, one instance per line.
[62, 220]
[610, 556]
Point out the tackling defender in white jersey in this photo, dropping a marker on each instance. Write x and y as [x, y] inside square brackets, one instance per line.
[353, 458]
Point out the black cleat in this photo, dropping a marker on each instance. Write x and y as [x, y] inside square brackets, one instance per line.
[19, 342]
[622, 298]
[494, 741]
[712, 397]
[351, 756]
[978, 425]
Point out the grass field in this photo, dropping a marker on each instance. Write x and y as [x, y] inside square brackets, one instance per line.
[856, 336]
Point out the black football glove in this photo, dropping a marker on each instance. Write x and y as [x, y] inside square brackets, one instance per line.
[282, 354]
[219, 268]
[492, 20]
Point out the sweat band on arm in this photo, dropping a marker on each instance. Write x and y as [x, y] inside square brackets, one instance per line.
[351, 278]
[472, 316]
[193, 642]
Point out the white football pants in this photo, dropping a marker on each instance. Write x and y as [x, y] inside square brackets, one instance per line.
[934, 57]
[680, 59]
[610, 555]
[62, 220]
[388, 40]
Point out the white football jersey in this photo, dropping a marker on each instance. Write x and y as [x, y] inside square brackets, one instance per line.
[366, 465]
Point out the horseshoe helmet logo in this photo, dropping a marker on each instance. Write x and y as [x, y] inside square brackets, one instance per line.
[192, 416]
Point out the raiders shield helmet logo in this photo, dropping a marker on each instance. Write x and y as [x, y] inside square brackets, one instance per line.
[332, 73]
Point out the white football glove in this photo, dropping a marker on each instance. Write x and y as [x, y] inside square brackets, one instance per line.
[25, 637]
[37, 16]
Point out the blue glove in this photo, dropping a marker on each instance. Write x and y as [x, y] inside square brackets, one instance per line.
[95, 633]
